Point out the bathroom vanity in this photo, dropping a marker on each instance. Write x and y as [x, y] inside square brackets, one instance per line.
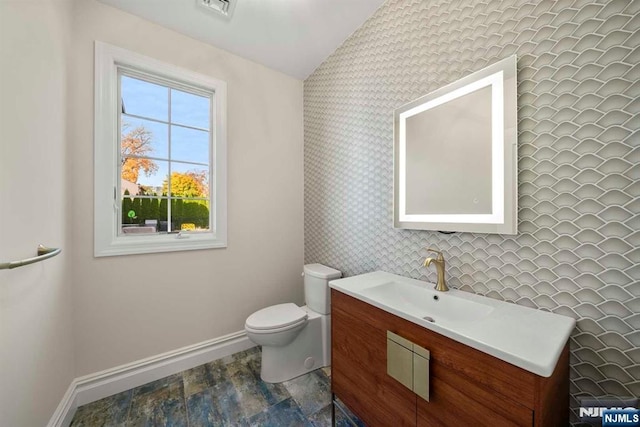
[392, 364]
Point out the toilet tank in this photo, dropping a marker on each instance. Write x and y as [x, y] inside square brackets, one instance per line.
[317, 294]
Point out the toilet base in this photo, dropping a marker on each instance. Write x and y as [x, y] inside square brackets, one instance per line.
[309, 351]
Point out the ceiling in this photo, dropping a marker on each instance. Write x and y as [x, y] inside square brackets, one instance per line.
[291, 36]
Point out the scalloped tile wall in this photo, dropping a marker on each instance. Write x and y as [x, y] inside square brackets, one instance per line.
[577, 251]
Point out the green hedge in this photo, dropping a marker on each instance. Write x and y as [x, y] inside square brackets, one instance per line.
[182, 211]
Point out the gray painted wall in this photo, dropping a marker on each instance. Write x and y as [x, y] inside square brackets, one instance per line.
[577, 249]
[36, 301]
[128, 308]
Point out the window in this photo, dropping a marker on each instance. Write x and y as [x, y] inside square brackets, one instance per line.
[165, 140]
[160, 156]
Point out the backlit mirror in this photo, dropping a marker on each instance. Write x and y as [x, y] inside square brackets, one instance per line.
[455, 155]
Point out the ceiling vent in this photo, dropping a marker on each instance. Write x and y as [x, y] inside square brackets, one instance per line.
[220, 7]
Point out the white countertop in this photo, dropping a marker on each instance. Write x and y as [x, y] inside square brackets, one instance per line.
[528, 338]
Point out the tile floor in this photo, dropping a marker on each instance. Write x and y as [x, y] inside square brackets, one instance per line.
[225, 392]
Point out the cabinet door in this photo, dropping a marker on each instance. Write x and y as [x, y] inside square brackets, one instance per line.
[359, 373]
[456, 401]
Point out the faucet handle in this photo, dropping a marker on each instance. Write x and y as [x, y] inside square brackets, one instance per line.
[440, 255]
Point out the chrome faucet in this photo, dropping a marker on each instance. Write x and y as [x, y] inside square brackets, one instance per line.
[439, 261]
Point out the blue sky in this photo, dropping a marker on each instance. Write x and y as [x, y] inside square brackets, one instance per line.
[149, 100]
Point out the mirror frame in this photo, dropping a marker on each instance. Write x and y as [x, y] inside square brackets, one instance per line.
[501, 77]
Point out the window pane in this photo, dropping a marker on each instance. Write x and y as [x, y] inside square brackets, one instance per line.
[143, 215]
[144, 138]
[189, 145]
[190, 215]
[143, 176]
[189, 180]
[190, 110]
[144, 99]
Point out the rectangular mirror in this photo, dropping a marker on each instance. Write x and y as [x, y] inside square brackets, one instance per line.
[455, 155]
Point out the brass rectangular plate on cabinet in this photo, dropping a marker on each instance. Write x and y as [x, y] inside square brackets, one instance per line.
[421, 374]
[408, 363]
[400, 363]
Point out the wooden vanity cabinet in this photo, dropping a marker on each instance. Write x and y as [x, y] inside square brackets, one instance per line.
[467, 387]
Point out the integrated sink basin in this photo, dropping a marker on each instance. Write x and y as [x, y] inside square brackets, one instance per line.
[528, 338]
[428, 304]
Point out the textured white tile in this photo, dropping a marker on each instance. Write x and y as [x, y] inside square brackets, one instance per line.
[577, 251]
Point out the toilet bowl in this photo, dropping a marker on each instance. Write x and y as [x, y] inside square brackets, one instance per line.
[296, 340]
[277, 325]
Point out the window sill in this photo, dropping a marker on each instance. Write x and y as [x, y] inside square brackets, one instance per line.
[131, 245]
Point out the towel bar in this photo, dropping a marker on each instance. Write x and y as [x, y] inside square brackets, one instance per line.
[43, 253]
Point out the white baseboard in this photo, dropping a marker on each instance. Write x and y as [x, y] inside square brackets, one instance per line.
[99, 385]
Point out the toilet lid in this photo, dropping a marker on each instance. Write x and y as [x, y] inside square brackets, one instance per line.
[276, 316]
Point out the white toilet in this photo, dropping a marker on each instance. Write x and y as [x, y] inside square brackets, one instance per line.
[296, 340]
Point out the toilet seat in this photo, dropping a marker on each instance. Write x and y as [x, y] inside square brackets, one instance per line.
[276, 318]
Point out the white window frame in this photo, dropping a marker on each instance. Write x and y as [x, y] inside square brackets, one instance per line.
[108, 241]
